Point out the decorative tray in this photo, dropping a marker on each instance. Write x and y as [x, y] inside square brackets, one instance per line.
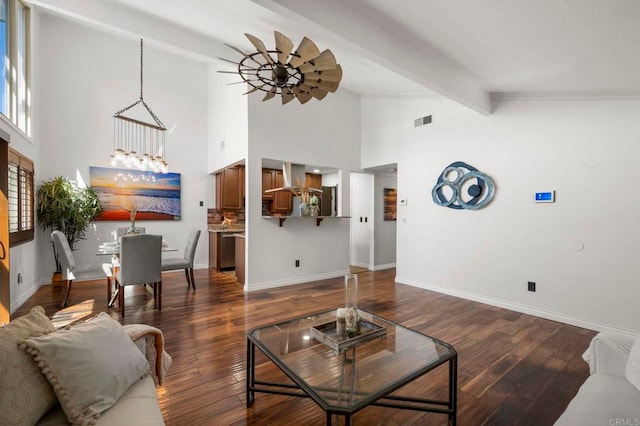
[326, 333]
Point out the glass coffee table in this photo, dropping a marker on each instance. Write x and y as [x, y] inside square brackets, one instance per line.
[342, 383]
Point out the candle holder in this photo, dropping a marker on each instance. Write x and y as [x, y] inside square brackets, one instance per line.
[351, 316]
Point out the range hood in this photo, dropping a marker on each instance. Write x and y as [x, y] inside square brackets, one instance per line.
[292, 174]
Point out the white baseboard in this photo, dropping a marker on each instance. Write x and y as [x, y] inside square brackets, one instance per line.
[371, 267]
[30, 292]
[383, 266]
[298, 280]
[554, 316]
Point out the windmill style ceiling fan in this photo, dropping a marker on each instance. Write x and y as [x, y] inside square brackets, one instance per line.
[304, 74]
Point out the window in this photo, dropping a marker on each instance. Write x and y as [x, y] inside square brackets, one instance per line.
[15, 90]
[20, 198]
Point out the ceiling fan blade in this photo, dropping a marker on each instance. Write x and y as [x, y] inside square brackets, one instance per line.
[284, 46]
[229, 60]
[325, 61]
[260, 46]
[254, 89]
[306, 51]
[270, 94]
[327, 86]
[240, 82]
[328, 75]
[236, 49]
[302, 95]
[319, 94]
[287, 95]
[315, 91]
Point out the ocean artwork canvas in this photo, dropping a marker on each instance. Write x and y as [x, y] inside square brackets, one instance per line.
[152, 196]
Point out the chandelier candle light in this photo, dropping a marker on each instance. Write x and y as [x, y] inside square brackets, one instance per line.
[138, 144]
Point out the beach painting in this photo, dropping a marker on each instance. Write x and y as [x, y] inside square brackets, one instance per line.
[151, 196]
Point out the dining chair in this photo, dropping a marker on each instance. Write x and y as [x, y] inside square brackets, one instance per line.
[140, 262]
[186, 262]
[71, 271]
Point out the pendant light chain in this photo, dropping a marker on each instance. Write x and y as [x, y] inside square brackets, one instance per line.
[141, 79]
[135, 136]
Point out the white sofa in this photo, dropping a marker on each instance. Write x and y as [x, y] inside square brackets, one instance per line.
[44, 382]
[607, 397]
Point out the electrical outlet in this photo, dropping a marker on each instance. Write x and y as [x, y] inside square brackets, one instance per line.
[531, 286]
[297, 263]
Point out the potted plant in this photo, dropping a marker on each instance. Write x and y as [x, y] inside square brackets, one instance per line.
[314, 205]
[68, 208]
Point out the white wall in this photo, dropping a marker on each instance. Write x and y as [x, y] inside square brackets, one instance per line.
[585, 150]
[85, 76]
[384, 234]
[324, 133]
[23, 257]
[227, 119]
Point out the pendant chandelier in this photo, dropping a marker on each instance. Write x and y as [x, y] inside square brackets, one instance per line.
[137, 144]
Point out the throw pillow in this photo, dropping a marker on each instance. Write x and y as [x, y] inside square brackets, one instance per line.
[89, 365]
[632, 372]
[25, 393]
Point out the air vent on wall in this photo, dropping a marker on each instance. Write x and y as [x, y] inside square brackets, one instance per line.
[422, 121]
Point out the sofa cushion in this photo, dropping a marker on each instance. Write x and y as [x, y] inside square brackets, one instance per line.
[25, 393]
[89, 365]
[632, 371]
[600, 399]
[138, 406]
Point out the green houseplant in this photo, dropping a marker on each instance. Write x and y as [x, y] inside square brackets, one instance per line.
[66, 207]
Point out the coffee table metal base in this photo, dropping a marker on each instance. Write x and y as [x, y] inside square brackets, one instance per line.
[393, 401]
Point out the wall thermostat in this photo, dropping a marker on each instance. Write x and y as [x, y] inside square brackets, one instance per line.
[545, 197]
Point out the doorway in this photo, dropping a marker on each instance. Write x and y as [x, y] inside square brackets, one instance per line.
[373, 236]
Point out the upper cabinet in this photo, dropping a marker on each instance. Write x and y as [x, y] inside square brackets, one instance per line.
[313, 180]
[280, 202]
[230, 188]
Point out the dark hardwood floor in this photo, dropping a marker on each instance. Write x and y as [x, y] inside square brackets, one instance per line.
[513, 369]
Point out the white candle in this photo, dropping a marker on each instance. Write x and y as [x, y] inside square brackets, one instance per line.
[340, 321]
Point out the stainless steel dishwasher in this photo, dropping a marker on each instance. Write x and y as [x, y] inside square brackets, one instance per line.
[227, 251]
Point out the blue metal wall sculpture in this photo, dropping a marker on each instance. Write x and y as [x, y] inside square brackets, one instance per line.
[478, 193]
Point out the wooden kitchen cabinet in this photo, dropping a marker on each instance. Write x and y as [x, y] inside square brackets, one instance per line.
[281, 201]
[240, 263]
[230, 188]
[267, 183]
[313, 180]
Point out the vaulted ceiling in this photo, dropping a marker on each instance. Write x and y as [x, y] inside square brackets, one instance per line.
[466, 50]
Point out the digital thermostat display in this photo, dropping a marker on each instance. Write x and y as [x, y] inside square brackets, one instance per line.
[545, 197]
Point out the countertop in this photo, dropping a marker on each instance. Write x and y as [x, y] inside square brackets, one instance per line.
[232, 229]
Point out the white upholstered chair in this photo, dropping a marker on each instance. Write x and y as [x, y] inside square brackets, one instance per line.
[140, 257]
[186, 262]
[71, 271]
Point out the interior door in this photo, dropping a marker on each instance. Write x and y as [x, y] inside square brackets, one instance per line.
[5, 285]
